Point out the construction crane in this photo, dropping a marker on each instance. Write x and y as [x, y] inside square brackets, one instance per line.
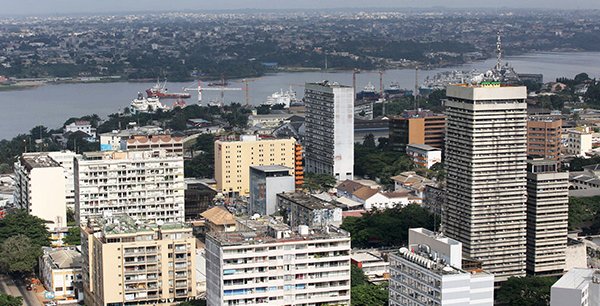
[200, 89]
[247, 90]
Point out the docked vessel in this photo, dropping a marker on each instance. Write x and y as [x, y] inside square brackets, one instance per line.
[146, 105]
[286, 98]
[160, 91]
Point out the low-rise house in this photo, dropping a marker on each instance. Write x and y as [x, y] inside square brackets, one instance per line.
[60, 271]
[410, 180]
[219, 219]
[375, 267]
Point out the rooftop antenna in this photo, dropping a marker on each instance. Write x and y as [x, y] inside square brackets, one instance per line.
[499, 51]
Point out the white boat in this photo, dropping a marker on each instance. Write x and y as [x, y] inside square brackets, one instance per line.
[146, 105]
[282, 97]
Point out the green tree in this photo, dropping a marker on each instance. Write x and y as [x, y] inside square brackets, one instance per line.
[9, 300]
[369, 141]
[73, 236]
[318, 182]
[582, 77]
[22, 223]
[369, 295]
[18, 254]
[526, 291]
[357, 276]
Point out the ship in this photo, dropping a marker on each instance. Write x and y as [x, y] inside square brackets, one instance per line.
[368, 93]
[160, 91]
[146, 105]
[221, 83]
[286, 98]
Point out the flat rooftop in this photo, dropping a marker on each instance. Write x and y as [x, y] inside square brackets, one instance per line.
[423, 147]
[329, 84]
[38, 160]
[65, 258]
[305, 200]
[576, 278]
[132, 155]
[120, 224]
[272, 168]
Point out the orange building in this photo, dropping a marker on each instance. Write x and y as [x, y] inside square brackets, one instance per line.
[544, 137]
[417, 127]
[298, 167]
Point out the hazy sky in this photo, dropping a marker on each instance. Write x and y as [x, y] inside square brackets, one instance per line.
[31, 7]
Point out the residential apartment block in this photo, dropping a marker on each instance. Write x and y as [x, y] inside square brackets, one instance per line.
[303, 209]
[329, 140]
[60, 271]
[429, 272]
[417, 127]
[547, 217]
[579, 141]
[133, 140]
[544, 137]
[127, 262]
[423, 155]
[486, 155]
[271, 264]
[40, 188]
[233, 159]
[147, 185]
[577, 287]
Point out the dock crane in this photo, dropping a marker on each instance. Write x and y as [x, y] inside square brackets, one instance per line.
[200, 89]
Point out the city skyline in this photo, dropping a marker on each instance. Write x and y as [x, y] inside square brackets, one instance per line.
[30, 7]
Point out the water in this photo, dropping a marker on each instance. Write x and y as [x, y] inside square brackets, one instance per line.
[52, 105]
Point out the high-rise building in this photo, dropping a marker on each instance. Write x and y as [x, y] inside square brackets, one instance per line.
[265, 183]
[129, 262]
[329, 140]
[147, 185]
[544, 137]
[66, 160]
[547, 217]
[233, 159]
[417, 127]
[486, 153]
[429, 272]
[271, 264]
[40, 186]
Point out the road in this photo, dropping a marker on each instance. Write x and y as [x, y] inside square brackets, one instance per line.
[18, 288]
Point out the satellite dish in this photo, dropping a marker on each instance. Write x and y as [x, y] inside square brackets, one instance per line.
[160, 222]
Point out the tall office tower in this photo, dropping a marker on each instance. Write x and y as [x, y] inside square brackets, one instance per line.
[128, 262]
[430, 272]
[486, 153]
[147, 185]
[233, 159]
[329, 140]
[417, 127]
[547, 217]
[544, 137]
[40, 188]
[271, 264]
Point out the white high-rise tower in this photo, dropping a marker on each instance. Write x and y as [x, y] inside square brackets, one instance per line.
[329, 139]
[486, 153]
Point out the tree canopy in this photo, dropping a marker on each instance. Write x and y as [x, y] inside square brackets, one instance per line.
[73, 236]
[364, 293]
[526, 291]
[379, 163]
[9, 300]
[18, 254]
[22, 223]
[318, 182]
[373, 229]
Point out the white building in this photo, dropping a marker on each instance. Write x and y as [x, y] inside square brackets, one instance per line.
[579, 141]
[486, 154]
[40, 188]
[67, 159]
[270, 264]
[265, 183]
[268, 120]
[80, 126]
[577, 287]
[424, 155]
[373, 265]
[329, 140]
[547, 217]
[429, 272]
[144, 184]
[60, 270]
[373, 199]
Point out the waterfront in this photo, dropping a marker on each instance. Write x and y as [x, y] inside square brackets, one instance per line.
[51, 105]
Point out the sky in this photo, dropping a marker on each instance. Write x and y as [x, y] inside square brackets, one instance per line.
[35, 7]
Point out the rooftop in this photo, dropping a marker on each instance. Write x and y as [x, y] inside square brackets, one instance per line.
[423, 147]
[119, 224]
[64, 258]
[576, 278]
[131, 155]
[326, 83]
[37, 160]
[272, 168]
[219, 215]
[305, 200]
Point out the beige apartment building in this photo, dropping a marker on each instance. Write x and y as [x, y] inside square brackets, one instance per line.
[127, 262]
[234, 158]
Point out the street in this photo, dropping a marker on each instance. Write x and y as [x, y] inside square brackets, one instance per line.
[17, 288]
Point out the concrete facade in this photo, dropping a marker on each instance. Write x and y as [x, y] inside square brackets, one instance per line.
[486, 151]
[329, 140]
[272, 264]
[547, 217]
[424, 155]
[417, 127]
[128, 262]
[265, 183]
[577, 287]
[147, 185]
[544, 137]
[234, 158]
[40, 188]
[429, 272]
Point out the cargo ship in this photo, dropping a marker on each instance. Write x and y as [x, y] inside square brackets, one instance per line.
[160, 91]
